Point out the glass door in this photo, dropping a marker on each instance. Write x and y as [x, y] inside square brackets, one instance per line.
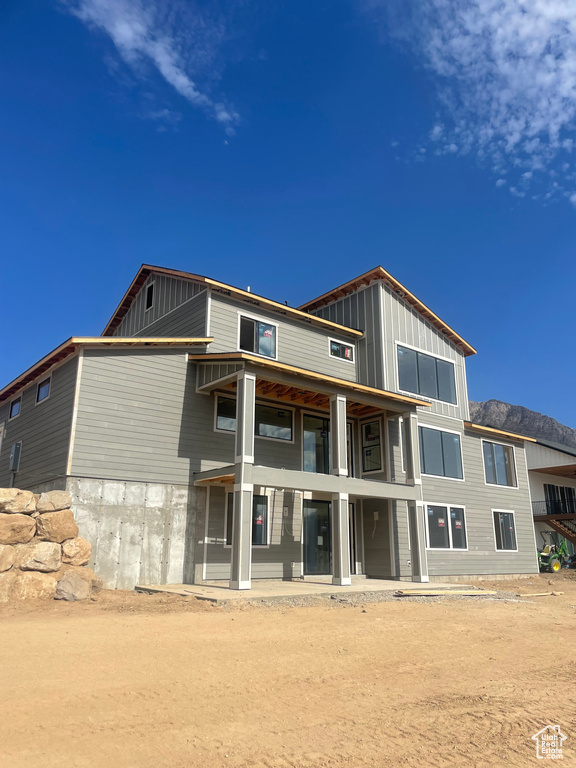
[317, 538]
[316, 444]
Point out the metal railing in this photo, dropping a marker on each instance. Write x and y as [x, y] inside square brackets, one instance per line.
[555, 507]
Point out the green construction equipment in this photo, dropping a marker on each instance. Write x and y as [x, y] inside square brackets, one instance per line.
[552, 556]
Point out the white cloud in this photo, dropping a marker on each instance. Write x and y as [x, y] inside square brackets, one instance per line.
[176, 39]
[506, 77]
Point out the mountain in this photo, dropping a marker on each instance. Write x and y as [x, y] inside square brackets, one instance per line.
[516, 418]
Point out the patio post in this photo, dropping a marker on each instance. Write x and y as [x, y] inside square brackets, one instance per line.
[340, 540]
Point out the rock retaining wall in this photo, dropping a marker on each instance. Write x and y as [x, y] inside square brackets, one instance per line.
[41, 554]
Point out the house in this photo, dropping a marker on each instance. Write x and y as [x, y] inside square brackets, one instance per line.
[552, 476]
[213, 434]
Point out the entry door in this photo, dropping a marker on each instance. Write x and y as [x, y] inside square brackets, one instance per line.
[317, 538]
[316, 444]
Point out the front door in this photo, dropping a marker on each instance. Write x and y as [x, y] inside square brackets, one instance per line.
[317, 538]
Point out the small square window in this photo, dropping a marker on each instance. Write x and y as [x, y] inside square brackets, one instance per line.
[15, 407]
[43, 390]
[150, 296]
[343, 351]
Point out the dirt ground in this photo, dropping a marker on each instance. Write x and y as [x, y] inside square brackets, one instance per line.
[166, 682]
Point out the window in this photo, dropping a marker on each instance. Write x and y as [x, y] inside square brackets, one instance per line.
[257, 336]
[440, 453]
[446, 527]
[150, 296]
[316, 443]
[371, 447]
[269, 421]
[43, 390]
[14, 461]
[426, 375]
[499, 463]
[504, 530]
[15, 406]
[344, 351]
[259, 520]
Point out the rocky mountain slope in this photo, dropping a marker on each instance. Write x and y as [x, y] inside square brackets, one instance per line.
[516, 418]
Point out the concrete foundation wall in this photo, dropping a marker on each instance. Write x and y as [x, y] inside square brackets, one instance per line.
[141, 533]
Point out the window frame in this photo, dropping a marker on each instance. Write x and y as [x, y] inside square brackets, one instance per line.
[259, 401]
[150, 285]
[49, 380]
[257, 319]
[451, 432]
[514, 467]
[265, 495]
[2, 432]
[383, 459]
[436, 357]
[448, 507]
[507, 511]
[344, 344]
[16, 400]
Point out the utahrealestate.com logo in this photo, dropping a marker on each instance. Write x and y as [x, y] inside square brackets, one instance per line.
[549, 742]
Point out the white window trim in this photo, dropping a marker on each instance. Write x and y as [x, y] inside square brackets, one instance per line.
[259, 319]
[513, 512]
[382, 448]
[345, 344]
[49, 395]
[426, 398]
[11, 418]
[452, 432]
[230, 490]
[258, 401]
[497, 485]
[451, 548]
[152, 284]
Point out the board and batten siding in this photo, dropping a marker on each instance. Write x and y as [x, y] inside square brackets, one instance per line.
[169, 294]
[274, 561]
[479, 499]
[298, 344]
[362, 310]
[44, 429]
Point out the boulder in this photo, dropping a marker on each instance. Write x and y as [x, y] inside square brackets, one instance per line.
[76, 551]
[6, 557]
[73, 587]
[16, 529]
[56, 526]
[44, 556]
[53, 501]
[16, 502]
[30, 585]
[84, 573]
[7, 581]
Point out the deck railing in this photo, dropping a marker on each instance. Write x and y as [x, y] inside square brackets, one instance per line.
[555, 507]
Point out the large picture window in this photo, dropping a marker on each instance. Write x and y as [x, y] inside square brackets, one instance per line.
[499, 463]
[257, 336]
[504, 530]
[259, 520]
[269, 421]
[371, 447]
[440, 453]
[446, 527]
[425, 375]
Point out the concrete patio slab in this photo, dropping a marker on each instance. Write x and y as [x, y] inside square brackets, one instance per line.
[270, 589]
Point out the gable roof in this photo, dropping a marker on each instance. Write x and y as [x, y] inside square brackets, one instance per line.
[379, 273]
[72, 345]
[147, 269]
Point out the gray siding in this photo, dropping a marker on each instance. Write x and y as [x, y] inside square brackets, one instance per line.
[362, 310]
[189, 319]
[169, 293]
[274, 561]
[44, 430]
[298, 344]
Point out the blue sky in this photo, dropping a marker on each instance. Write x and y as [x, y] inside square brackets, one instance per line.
[290, 146]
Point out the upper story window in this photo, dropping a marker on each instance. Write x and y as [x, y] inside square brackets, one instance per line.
[440, 453]
[15, 407]
[371, 447]
[499, 464]
[341, 350]
[257, 336]
[43, 390]
[150, 296]
[269, 421]
[425, 375]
